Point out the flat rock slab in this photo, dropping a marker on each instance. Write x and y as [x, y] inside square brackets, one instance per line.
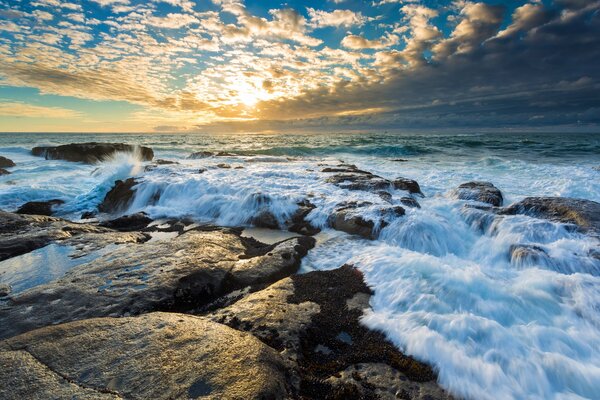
[90, 152]
[154, 356]
[178, 274]
[583, 213]
[20, 234]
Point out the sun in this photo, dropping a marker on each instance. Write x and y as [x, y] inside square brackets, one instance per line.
[248, 98]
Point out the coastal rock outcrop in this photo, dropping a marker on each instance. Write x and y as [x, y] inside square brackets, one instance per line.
[410, 185]
[153, 356]
[90, 152]
[128, 223]
[119, 197]
[585, 214]
[4, 172]
[206, 154]
[313, 320]
[40, 207]
[6, 162]
[172, 275]
[484, 192]
[362, 218]
[20, 234]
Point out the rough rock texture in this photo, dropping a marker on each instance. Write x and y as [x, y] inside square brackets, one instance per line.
[348, 217]
[298, 223]
[39, 207]
[119, 197]
[6, 162]
[4, 172]
[90, 152]
[178, 274]
[128, 223]
[20, 234]
[484, 192]
[527, 254]
[410, 185]
[313, 320]
[154, 356]
[583, 213]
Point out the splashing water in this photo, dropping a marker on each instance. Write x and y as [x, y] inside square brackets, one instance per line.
[504, 307]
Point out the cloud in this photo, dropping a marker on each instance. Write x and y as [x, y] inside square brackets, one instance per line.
[336, 18]
[357, 42]
[24, 110]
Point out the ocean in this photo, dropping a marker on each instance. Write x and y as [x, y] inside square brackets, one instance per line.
[445, 289]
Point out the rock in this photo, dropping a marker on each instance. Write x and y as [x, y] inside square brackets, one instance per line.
[119, 197]
[348, 217]
[385, 196]
[527, 254]
[179, 274]
[88, 215]
[20, 234]
[298, 223]
[400, 160]
[223, 166]
[165, 162]
[206, 154]
[346, 220]
[313, 320]
[585, 214]
[265, 219]
[360, 181]
[5, 289]
[4, 172]
[410, 185]
[484, 192]
[154, 356]
[39, 207]
[410, 202]
[128, 223]
[6, 163]
[90, 152]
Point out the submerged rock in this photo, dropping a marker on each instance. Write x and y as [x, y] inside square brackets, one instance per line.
[298, 222]
[206, 154]
[6, 162]
[410, 202]
[90, 152]
[4, 172]
[154, 356]
[313, 319]
[119, 197]
[585, 214]
[179, 274]
[39, 207]
[527, 254]
[484, 192]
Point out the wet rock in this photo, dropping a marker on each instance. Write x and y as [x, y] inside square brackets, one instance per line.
[6, 162]
[410, 202]
[39, 207]
[527, 254]
[385, 196]
[206, 154]
[90, 152]
[345, 219]
[313, 319]
[5, 289]
[119, 197]
[585, 214]
[400, 160]
[88, 215]
[4, 172]
[128, 223]
[179, 274]
[410, 185]
[360, 181]
[154, 356]
[20, 234]
[160, 161]
[298, 221]
[265, 219]
[484, 192]
[480, 218]
[223, 166]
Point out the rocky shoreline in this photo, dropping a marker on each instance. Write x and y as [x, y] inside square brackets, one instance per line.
[209, 313]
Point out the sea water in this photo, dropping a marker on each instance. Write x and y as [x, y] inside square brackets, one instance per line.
[446, 290]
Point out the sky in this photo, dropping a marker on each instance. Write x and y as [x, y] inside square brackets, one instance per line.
[269, 66]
